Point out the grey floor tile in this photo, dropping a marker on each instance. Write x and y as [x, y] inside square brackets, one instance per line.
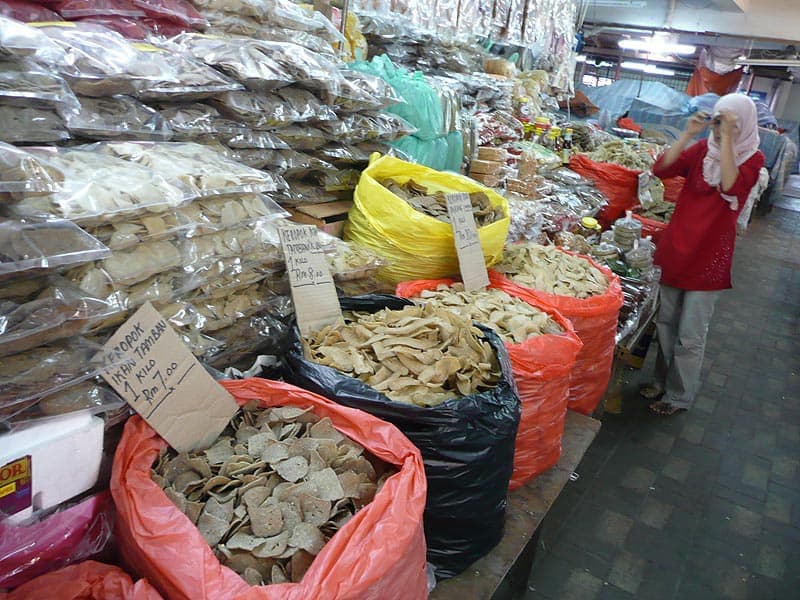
[705, 505]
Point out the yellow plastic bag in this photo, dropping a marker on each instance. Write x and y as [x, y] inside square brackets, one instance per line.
[415, 245]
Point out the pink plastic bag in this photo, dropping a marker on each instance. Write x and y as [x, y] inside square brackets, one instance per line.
[379, 554]
[76, 9]
[180, 12]
[27, 12]
[88, 580]
[62, 538]
[129, 28]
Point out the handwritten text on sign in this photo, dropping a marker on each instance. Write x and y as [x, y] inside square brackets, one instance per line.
[155, 373]
[313, 291]
[468, 245]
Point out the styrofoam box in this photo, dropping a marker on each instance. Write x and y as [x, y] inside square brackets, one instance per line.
[65, 458]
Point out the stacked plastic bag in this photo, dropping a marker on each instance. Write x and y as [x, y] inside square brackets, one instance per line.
[431, 106]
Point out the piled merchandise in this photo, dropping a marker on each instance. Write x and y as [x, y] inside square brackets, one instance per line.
[456, 401]
[304, 498]
[542, 348]
[490, 167]
[585, 293]
[161, 171]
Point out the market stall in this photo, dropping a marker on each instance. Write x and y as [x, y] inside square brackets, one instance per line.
[156, 161]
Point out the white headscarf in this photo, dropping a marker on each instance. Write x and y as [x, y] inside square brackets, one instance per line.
[744, 146]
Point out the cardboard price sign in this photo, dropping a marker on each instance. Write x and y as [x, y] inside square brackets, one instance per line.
[645, 198]
[471, 261]
[316, 303]
[152, 369]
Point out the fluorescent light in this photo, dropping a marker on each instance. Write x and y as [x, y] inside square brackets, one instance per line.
[646, 68]
[580, 58]
[770, 62]
[620, 3]
[656, 45]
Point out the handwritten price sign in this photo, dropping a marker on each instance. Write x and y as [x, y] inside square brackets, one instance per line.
[471, 261]
[155, 373]
[313, 291]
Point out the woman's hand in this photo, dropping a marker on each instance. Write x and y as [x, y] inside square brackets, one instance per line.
[728, 124]
[697, 124]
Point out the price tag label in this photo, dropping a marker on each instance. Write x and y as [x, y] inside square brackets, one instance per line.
[152, 369]
[645, 198]
[15, 486]
[313, 291]
[468, 245]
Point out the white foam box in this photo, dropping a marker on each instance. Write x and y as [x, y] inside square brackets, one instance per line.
[65, 458]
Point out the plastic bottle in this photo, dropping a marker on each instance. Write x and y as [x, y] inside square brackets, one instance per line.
[566, 150]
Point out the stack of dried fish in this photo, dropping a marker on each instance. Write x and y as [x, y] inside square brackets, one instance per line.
[435, 205]
[419, 355]
[659, 211]
[622, 153]
[514, 320]
[548, 269]
[272, 490]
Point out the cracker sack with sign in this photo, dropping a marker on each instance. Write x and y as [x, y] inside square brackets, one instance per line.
[587, 294]
[459, 407]
[542, 346]
[287, 502]
[399, 211]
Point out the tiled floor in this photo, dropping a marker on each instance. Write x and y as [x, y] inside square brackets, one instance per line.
[706, 504]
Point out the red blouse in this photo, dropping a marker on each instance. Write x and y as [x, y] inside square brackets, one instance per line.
[695, 252]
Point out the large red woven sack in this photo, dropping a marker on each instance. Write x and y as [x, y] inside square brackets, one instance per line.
[379, 553]
[619, 184]
[542, 367]
[595, 322]
[88, 580]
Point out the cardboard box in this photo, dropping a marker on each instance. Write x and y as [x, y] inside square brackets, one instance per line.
[493, 154]
[330, 217]
[487, 179]
[486, 167]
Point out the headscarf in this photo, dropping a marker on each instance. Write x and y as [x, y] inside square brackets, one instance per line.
[744, 146]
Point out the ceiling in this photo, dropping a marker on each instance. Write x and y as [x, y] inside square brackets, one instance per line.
[762, 23]
[699, 23]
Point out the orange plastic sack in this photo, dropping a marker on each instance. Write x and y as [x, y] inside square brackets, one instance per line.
[88, 580]
[651, 227]
[619, 184]
[379, 553]
[595, 322]
[542, 367]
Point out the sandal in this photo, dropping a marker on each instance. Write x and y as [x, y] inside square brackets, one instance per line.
[650, 392]
[665, 409]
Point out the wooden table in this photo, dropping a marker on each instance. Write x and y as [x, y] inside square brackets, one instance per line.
[511, 559]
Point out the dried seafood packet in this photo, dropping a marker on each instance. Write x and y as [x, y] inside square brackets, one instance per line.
[28, 84]
[197, 121]
[272, 490]
[119, 118]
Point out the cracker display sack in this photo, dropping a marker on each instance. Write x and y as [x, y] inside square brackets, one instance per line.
[415, 244]
[378, 553]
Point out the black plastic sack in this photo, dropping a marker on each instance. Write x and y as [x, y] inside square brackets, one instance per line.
[467, 445]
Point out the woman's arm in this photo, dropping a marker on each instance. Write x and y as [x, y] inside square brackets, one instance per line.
[695, 125]
[729, 172]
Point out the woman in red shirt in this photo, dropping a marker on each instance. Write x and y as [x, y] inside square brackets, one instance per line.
[695, 252]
